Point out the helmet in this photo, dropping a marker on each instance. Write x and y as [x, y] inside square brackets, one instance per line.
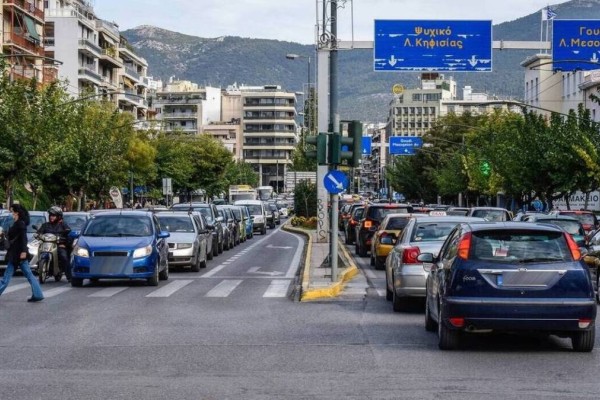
[54, 210]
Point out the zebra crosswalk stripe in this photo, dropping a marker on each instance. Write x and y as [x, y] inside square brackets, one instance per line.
[224, 288]
[170, 288]
[56, 291]
[277, 288]
[14, 288]
[108, 292]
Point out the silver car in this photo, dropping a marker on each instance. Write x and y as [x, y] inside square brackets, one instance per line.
[404, 275]
[188, 240]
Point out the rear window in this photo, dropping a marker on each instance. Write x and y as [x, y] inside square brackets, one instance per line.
[572, 227]
[432, 231]
[490, 215]
[396, 223]
[378, 213]
[254, 209]
[519, 246]
[584, 218]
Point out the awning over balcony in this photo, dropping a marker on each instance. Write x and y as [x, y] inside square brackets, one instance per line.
[30, 23]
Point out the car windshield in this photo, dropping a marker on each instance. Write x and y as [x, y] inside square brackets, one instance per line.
[237, 213]
[463, 213]
[254, 209]
[490, 215]
[75, 222]
[515, 246]
[118, 226]
[176, 223]
[36, 220]
[432, 231]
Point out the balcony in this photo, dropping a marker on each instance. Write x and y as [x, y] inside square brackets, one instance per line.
[180, 115]
[88, 72]
[110, 55]
[24, 44]
[108, 83]
[132, 73]
[132, 98]
[89, 47]
[26, 7]
[108, 27]
[87, 20]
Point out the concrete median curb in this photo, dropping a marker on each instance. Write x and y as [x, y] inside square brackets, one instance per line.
[325, 289]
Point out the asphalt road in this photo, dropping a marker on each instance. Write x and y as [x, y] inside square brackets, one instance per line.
[233, 331]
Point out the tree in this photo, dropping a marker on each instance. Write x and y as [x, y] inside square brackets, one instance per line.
[241, 173]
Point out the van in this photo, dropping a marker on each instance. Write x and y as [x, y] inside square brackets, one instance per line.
[257, 211]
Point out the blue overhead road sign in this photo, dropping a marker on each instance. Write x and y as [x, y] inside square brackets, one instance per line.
[415, 45]
[577, 42]
[405, 145]
[366, 145]
[335, 181]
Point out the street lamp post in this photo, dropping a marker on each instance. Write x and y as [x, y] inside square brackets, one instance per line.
[308, 96]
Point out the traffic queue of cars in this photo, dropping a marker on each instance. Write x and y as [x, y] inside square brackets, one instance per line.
[479, 272]
[147, 244]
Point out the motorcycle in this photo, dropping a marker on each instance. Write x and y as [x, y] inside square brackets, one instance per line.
[48, 264]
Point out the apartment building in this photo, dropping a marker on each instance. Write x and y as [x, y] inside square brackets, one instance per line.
[95, 57]
[183, 106]
[269, 132]
[22, 42]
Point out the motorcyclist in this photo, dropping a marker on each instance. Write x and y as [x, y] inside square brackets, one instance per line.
[57, 226]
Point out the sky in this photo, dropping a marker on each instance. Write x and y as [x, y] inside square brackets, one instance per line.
[295, 20]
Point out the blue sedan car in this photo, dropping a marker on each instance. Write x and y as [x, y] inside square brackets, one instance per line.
[511, 277]
[121, 245]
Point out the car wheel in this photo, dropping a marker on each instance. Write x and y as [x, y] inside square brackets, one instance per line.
[58, 277]
[164, 274]
[356, 248]
[264, 230]
[361, 250]
[398, 303]
[584, 341]
[372, 260]
[378, 263]
[76, 282]
[388, 293]
[196, 264]
[430, 324]
[448, 339]
[203, 262]
[221, 246]
[215, 251]
[347, 240]
[154, 280]
[42, 270]
[209, 254]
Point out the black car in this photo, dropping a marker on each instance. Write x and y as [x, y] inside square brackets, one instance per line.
[350, 226]
[231, 231]
[212, 218]
[510, 277]
[372, 217]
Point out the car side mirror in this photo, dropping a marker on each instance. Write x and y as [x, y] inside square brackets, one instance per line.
[163, 234]
[219, 219]
[427, 259]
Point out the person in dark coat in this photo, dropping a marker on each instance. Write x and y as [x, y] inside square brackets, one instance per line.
[16, 255]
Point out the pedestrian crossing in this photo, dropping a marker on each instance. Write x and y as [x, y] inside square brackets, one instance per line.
[219, 288]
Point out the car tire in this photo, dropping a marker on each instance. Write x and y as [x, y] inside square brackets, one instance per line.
[372, 260]
[399, 304]
[264, 230]
[388, 293]
[583, 342]
[362, 252]
[430, 324]
[153, 281]
[221, 246]
[209, 254]
[378, 263]
[203, 262]
[76, 282]
[164, 274]
[215, 251]
[448, 339]
[195, 267]
[347, 239]
[58, 277]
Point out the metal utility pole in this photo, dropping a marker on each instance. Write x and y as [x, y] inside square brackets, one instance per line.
[334, 123]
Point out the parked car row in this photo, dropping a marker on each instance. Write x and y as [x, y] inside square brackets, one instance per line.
[480, 272]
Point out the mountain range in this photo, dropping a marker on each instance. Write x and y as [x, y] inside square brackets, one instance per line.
[363, 93]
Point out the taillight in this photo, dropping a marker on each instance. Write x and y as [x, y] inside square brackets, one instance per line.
[410, 254]
[368, 224]
[457, 321]
[575, 252]
[584, 323]
[352, 222]
[464, 245]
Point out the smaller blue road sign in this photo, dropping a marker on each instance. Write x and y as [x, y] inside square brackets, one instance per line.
[366, 145]
[405, 145]
[575, 44]
[335, 181]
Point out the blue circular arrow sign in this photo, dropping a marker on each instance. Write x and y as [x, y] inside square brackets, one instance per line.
[335, 181]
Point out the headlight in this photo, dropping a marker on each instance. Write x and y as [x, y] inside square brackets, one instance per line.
[184, 245]
[81, 252]
[142, 252]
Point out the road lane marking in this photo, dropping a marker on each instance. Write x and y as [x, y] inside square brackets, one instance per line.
[14, 288]
[291, 272]
[277, 288]
[213, 271]
[170, 288]
[56, 291]
[108, 292]
[224, 288]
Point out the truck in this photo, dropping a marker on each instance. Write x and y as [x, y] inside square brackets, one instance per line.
[241, 192]
[265, 192]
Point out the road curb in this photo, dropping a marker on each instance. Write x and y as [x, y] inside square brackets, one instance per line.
[335, 288]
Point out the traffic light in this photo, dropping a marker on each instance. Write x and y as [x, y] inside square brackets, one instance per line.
[320, 141]
[347, 147]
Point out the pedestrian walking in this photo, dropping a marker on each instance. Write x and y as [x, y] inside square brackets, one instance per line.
[16, 255]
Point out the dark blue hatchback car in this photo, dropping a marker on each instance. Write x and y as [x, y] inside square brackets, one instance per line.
[121, 245]
[512, 277]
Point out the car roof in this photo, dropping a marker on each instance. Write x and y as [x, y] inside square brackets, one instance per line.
[113, 212]
[447, 218]
[513, 225]
[557, 217]
[172, 212]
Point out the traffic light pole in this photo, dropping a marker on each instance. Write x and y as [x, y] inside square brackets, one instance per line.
[334, 123]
